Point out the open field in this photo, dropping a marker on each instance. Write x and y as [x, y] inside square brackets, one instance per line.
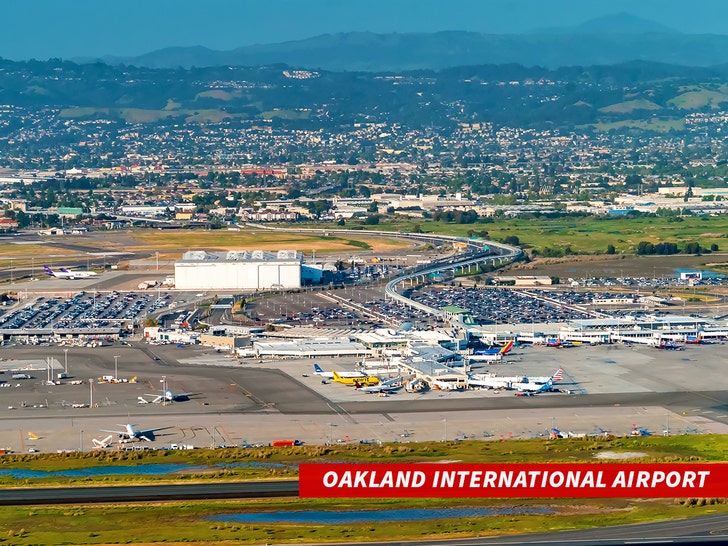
[616, 266]
[586, 235]
[260, 239]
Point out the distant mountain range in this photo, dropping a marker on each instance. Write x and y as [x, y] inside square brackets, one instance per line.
[604, 41]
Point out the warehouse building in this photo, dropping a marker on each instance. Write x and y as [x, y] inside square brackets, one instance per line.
[244, 270]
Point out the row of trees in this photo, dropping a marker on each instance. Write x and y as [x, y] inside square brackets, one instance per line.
[667, 248]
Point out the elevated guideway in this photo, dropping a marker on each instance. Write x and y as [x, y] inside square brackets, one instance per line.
[477, 253]
[473, 254]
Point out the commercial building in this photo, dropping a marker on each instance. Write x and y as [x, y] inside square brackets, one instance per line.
[243, 270]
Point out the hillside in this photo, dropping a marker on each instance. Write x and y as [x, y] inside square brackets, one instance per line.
[598, 42]
[499, 94]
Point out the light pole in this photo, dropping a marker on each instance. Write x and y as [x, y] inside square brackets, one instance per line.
[91, 391]
[116, 367]
[444, 438]
[156, 254]
[667, 424]
[164, 390]
[65, 360]
[80, 441]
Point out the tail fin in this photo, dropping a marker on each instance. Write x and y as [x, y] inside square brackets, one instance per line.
[64, 270]
[317, 368]
[48, 271]
[508, 346]
[336, 376]
[558, 375]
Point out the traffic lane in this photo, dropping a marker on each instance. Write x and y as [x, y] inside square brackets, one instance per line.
[146, 493]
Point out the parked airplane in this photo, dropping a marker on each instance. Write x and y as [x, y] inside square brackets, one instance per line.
[130, 433]
[694, 339]
[494, 350]
[388, 386]
[330, 375]
[70, 275]
[553, 342]
[534, 385]
[364, 381]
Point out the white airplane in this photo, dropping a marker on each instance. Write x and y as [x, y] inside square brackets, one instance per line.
[388, 386]
[330, 375]
[166, 396]
[534, 386]
[102, 444]
[130, 433]
[70, 275]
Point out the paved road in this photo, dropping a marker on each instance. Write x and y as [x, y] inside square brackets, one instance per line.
[139, 493]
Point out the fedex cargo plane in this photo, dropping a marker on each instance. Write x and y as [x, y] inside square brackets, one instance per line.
[67, 274]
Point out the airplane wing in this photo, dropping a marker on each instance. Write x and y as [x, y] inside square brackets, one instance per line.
[120, 432]
[141, 433]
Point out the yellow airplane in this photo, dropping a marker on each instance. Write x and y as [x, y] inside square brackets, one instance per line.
[354, 381]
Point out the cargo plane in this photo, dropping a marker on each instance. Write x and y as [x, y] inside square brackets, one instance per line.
[67, 274]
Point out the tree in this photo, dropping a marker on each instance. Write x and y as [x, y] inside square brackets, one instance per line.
[611, 249]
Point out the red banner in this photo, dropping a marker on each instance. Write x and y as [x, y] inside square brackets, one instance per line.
[514, 480]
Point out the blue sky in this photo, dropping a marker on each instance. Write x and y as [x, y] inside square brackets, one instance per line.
[84, 28]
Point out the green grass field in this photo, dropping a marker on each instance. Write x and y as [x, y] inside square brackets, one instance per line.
[588, 235]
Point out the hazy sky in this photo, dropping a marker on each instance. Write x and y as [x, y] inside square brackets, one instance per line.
[89, 28]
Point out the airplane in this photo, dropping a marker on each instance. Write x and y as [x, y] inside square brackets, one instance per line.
[330, 375]
[494, 350]
[388, 386]
[70, 275]
[534, 385]
[364, 381]
[553, 342]
[694, 339]
[167, 396]
[101, 444]
[130, 433]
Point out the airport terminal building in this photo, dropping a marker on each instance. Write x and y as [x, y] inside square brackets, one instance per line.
[243, 270]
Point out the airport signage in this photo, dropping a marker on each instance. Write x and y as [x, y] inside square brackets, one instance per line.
[551, 480]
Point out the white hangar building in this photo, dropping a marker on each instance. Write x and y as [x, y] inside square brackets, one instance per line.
[243, 270]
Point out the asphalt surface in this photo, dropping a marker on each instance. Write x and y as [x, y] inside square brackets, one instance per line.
[148, 493]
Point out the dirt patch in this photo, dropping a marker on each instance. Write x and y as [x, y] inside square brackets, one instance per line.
[617, 265]
[614, 455]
